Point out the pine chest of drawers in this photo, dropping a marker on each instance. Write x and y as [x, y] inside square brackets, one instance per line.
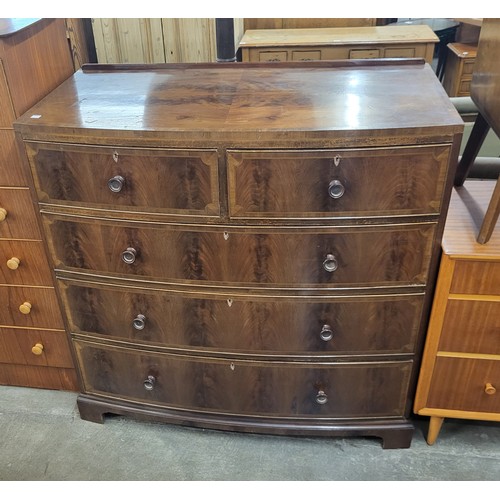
[247, 247]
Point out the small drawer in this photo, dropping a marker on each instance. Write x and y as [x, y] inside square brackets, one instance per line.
[468, 67]
[273, 56]
[464, 87]
[246, 387]
[34, 307]
[476, 277]
[17, 215]
[399, 52]
[35, 347]
[364, 53]
[177, 182]
[332, 183]
[306, 55]
[332, 326]
[24, 263]
[43, 377]
[471, 326]
[277, 257]
[465, 384]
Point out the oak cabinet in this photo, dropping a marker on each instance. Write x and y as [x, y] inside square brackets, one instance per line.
[34, 350]
[460, 376]
[235, 255]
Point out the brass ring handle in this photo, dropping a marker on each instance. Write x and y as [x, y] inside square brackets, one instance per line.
[326, 333]
[116, 183]
[139, 322]
[25, 308]
[330, 263]
[149, 383]
[321, 398]
[336, 189]
[489, 389]
[37, 349]
[13, 263]
[129, 255]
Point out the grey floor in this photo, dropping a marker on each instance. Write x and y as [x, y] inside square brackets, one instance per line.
[42, 438]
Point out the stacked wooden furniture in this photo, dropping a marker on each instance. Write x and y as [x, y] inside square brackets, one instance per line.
[338, 43]
[459, 67]
[460, 375]
[247, 247]
[34, 59]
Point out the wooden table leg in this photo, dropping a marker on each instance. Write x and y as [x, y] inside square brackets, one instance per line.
[476, 139]
[434, 428]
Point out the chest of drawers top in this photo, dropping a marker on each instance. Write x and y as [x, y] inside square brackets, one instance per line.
[320, 104]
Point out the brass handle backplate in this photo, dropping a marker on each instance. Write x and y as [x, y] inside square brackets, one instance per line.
[149, 383]
[116, 183]
[336, 189]
[139, 322]
[129, 255]
[330, 263]
[326, 333]
[321, 398]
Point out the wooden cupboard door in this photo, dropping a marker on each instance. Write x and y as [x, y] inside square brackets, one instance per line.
[281, 257]
[333, 183]
[246, 388]
[17, 214]
[248, 324]
[173, 181]
[34, 307]
[465, 384]
[471, 326]
[24, 263]
[35, 347]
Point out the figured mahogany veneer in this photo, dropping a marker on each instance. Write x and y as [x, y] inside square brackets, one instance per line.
[247, 247]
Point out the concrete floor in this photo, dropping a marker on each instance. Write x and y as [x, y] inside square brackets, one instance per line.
[42, 438]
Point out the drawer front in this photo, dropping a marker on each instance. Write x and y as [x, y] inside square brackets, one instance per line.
[11, 171]
[273, 56]
[306, 55]
[462, 384]
[24, 263]
[399, 52]
[317, 184]
[172, 181]
[364, 53]
[17, 215]
[476, 277]
[327, 326]
[468, 66]
[471, 326]
[43, 377]
[39, 307]
[464, 87]
[246, 388]
[35, 347]
[398, 254]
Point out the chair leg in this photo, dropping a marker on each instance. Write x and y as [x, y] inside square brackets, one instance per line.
[476, 139]
[491, 216]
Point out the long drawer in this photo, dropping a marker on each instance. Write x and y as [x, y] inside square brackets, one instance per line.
[334, 256]
[246, 388]
[465, 384]
[180, 181]
[247, 324]
[341, 183]
[471, 326]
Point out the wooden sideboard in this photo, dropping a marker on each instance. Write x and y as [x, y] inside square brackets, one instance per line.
[239, 247]
[460, 375]
[34, 350]
[338, 43]
[459, 68]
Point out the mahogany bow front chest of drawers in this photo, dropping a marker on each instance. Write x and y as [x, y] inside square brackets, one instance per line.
[247, 247]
